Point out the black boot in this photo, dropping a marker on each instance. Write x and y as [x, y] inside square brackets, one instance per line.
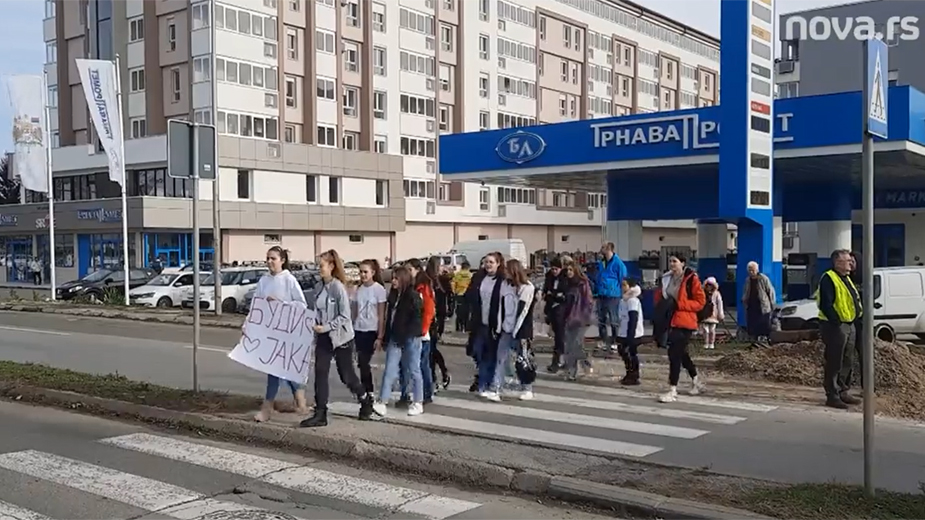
[848, 398]
[554, 366]
[474, 387]
[632, 374]
[366, 408]
[833, 401]
[317, 420]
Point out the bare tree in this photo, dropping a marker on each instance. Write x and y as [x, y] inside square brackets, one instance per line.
[9, 187]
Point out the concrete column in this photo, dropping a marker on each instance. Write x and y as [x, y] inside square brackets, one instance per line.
[822, 238]
[712, 246]
[776, 270]
[626, 236]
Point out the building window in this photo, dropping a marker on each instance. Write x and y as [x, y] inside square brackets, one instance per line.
[415, 189]
[246, 125]
[139, 127]
[381, 144]
[203, 116]
[52, 96]
[351, 141]
[382, 192]
[327, 136]
[416, 105]
[55, 139]
[380, 104]
[444, 118]
[484, 10]
[484, 120]
[202, 69]
[326, 88]
[289, 134]
[484, 47]
[380, 61]
[351, 101]
[136, 80]
[311, 189]
[379, 17]
[325, 41]
[484, 200]
[352, 12]
[334, 190]
[516, 195]
[446, 78]
[355, 239]
[295, 5]
[292, 44]
[351, 56]
[446, 37]
[449, 5]
[51, 52]
[417, 147]
[136, 30]
[50, 8]
[171, 35]
[291, 92]
[244, 184]
[484, 85]
[175, 83]
[201, 16]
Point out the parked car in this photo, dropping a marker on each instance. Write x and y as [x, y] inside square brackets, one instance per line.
[236, 281]
[164, 290]
[309, 280]
[203, 267]
[94, 285]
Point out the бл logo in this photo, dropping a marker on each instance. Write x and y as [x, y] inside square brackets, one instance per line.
[520, 147]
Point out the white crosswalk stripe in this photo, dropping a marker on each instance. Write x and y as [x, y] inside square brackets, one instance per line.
[13, 512]
[295, 477]
[591, 423]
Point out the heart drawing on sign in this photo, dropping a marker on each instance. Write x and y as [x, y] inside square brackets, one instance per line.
[249, 344]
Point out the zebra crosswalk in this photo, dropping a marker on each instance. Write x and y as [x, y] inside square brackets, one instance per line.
[564, 415]
[170, 500]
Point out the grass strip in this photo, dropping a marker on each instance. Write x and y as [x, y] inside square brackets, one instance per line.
[834, 501]
[119, 387]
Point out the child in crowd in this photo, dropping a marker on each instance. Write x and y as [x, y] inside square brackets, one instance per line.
[712, 312]
[631, 330]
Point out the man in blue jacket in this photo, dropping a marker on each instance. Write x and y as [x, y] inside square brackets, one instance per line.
[609, 285]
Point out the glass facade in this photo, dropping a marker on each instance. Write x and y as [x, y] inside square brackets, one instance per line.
[92, 186]
[15, 255]
[65, 254]
[176, 249]
[102, 250]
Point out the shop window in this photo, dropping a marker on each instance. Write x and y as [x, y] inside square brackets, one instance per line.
[16, 253]
[244, 184]
[64, 252]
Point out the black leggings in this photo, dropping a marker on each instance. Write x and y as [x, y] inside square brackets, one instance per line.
[678, 339]
[343, 359]
[366, 348]
[436, 360]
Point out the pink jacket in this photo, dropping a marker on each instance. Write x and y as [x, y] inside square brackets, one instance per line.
[717, 299]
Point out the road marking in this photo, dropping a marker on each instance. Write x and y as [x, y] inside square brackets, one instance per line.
[209, 349]
[295, 477]
[34, 331]
[615, 406]
[682, 399]
[244, 464]
[516, 433]
[541, 414]
[13, 512]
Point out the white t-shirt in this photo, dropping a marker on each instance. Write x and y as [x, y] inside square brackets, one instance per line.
[626, 306]
[368, 299]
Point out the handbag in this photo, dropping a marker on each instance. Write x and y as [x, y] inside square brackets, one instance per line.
[525, 363]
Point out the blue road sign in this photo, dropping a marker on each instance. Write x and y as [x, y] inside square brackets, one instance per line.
[876, 87]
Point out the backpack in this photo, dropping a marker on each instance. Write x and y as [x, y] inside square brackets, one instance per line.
[707, 311]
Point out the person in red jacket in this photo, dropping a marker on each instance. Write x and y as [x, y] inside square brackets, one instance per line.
[425, 286]
[682, 294]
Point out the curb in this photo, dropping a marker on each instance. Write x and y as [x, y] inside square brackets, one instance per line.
[442, 467]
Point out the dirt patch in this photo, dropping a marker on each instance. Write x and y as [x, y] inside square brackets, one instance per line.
[899, 372]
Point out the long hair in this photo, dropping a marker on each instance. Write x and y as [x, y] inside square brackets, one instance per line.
[577, 269]
[337, 265]
[422, 278]
[283, 255]
[499, 258]
[402, 275]
[433, 267]
[373, 266]
[515, 273]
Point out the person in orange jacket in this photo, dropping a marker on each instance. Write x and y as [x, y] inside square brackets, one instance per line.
[682, 295]
[425, 286]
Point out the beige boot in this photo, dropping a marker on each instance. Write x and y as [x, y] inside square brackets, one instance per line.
[301, 405]
[266, 410]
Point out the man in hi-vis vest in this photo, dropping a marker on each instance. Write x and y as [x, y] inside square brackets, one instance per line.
[839, 308]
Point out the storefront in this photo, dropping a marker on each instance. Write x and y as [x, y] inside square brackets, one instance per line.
[176, 249]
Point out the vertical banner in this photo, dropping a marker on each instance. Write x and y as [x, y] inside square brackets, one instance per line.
[100, 85]
[30, 148]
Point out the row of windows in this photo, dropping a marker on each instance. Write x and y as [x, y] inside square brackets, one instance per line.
[516, 14]
[415, 21]
[245, 125]
[244, 22]
[516, 87]
[416, 105]
[417, 64]
[246, 74]
[599, 73]
[516, 50]
[141, 183]
[516, 195]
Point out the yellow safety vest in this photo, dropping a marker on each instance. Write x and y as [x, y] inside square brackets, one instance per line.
[844, 303]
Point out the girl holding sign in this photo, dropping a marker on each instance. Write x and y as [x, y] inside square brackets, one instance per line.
[334, 340]
[279, 285]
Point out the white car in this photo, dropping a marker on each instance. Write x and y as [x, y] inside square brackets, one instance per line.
[164, 290]
[236, 281]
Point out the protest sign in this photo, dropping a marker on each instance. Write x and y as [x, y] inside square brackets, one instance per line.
[278, 339]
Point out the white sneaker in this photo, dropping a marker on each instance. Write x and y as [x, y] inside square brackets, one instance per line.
[415, 409]
[493, 396]
[697, 386]
[484, 394]
[380, 409]
[670, 396]
[526, 396]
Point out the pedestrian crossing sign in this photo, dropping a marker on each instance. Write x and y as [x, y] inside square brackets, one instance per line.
[877, 88]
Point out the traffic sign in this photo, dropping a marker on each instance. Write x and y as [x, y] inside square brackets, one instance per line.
[179, 144]
[877, 87]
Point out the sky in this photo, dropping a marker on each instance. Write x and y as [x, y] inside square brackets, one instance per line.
[22, 50]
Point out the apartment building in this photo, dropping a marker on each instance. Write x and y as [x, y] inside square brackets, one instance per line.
[303, 77]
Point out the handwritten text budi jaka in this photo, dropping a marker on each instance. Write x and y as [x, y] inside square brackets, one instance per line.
[277, 339]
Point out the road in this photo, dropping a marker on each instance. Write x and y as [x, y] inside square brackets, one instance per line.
[787, 443]
[56, 464]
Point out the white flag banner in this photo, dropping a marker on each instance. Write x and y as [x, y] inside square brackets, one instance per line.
[30, 148]
[99, 81]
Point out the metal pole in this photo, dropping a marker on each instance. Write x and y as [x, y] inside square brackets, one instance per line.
[216, 222]
[51, 192]
[121, 145]
[194, 175]
[867, 293]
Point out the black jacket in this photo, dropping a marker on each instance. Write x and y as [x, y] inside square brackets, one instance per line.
[442, 291]
[403, 318]
[553, 293]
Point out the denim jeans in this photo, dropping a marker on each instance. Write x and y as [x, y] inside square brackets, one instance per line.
[404, 360]
[427, 374]
[507, 345]
[486, 357]
[273, 387]
[608, 316]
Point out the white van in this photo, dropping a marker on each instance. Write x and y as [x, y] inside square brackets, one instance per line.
[474, 250]
[899, 305]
